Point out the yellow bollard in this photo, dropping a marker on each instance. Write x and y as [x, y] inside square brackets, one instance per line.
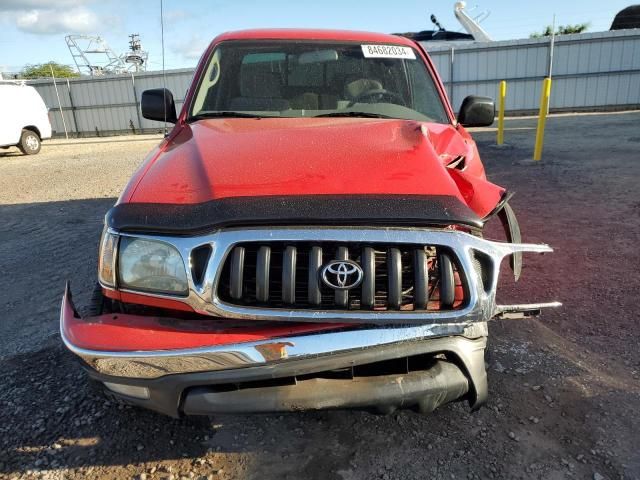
[503, 95]
[542, 118]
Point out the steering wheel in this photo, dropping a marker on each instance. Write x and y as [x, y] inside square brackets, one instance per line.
[380, 92]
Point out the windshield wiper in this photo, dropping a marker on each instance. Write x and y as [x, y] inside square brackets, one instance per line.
[224, 114]
[353, 114]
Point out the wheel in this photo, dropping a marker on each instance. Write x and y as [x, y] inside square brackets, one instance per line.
[29, 142]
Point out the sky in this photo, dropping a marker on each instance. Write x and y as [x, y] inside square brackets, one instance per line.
[33, 31]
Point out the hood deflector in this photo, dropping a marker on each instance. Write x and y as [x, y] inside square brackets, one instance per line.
[351, 210]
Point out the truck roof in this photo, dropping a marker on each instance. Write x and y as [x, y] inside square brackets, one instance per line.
[313, 34]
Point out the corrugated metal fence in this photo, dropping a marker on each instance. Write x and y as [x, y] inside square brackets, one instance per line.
[109, 104]
[591, 71]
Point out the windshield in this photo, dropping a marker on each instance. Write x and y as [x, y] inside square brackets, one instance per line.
[307, 79]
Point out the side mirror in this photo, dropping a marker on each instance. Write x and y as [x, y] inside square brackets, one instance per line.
[476, 111]
[157, 104]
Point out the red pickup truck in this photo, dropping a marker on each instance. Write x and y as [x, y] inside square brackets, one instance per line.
[307, 236]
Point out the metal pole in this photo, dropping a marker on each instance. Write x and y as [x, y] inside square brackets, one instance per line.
[55, 85]
[73, 109]
[135, 98]
[164, 75]
[551, 47]
[503, 95]
[542, 118]
[553, 41]
[451, 60]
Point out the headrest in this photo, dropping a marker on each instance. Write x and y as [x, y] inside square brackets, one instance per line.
[358, 87]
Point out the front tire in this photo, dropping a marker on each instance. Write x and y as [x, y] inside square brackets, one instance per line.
[30, 143]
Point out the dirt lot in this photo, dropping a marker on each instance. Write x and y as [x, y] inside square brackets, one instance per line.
[564, 389]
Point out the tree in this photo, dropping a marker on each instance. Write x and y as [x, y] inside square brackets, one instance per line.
[562, 30]
[43, 70]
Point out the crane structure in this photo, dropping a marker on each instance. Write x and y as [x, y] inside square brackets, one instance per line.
[93, 56]
[471, 25]
[440, 36]
[136, 56]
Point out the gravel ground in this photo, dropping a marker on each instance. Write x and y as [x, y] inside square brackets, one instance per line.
[564, 389]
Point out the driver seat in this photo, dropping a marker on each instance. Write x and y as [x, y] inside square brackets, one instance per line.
[355, 88]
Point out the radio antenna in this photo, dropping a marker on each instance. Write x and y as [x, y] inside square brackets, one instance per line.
[164, 77]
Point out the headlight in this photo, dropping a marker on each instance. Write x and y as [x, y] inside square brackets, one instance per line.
[151, 266]
[106, 261]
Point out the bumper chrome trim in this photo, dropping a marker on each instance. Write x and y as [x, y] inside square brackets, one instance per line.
[480, 307]
[516, 312]
[322, 348]
[153, 364]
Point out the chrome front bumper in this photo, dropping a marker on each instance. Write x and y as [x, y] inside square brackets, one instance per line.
[173, 376]
[354, 346]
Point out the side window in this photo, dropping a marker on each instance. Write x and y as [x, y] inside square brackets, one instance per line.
[274, 59]
[306, 75]
[256, 67]
[424, 94]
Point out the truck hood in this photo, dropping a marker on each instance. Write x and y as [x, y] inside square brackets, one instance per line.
[222, 158]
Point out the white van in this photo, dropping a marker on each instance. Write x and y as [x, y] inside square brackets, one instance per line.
[24, 121]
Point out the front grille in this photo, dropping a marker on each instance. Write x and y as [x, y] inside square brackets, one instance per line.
[287, 275]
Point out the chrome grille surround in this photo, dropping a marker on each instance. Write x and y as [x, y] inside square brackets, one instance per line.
[480, 305]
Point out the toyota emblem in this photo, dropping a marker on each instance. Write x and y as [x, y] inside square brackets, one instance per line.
[342, 274]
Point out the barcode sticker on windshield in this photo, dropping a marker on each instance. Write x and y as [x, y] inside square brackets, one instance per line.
[387, 51]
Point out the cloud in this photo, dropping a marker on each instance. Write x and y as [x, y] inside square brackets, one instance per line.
[191, 49]
[39, 4]
[74, 20]
[175, 15]
[48, 17]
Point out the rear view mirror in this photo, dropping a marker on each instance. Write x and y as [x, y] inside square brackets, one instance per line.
[318, 56]
[158, 104]
[476, 111]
